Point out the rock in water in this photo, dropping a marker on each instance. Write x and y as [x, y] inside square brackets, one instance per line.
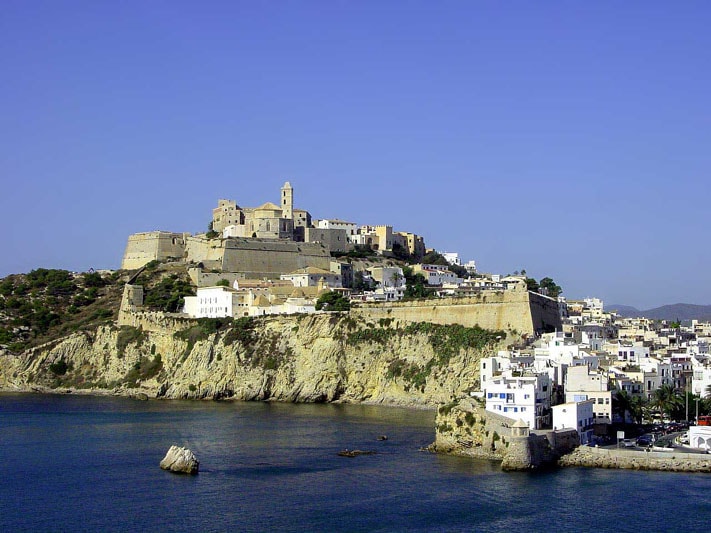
[180, 460]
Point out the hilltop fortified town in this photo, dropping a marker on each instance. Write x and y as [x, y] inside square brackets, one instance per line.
[260, 241]
[278, 259]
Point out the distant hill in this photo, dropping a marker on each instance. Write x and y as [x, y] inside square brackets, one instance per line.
[665, 312]
[624, 310]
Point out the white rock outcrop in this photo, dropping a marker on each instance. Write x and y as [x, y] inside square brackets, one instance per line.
[180, 460]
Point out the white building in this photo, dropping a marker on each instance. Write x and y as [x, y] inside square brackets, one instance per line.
[312, 276]
[577, 416]
[582, 384]
[351, 228]
[700, 437]
[524, 397]
[212, 302]
[701, 380]
[452, 258]
[634, 353]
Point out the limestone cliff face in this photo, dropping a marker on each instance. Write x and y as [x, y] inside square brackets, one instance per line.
[310, 358]
[465, 428]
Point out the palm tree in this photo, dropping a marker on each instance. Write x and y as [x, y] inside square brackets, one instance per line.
[666, 400]
[637, 405]
[623, 404]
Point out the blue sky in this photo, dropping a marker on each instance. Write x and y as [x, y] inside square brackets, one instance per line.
[570, 139]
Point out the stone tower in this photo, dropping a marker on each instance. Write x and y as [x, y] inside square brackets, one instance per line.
[287, 201]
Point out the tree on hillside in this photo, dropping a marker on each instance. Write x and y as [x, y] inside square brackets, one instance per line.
[532, 285]
[552, 288]
[332, 301]
[434, 258]
[211, 233]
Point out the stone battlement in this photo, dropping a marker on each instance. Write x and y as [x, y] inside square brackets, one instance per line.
[513, 311]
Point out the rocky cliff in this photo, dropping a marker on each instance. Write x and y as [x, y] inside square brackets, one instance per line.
[465, 428]
[307, 358]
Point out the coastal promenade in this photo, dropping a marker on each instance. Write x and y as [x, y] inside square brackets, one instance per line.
[674, 461]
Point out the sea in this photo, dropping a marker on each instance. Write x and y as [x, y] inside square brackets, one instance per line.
[82, 463]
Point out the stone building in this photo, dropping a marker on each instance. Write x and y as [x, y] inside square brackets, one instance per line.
[268, 221]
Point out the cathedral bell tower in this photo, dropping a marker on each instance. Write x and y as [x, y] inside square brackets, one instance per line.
[287, 201]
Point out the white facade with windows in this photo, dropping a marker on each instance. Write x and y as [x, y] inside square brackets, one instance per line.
[581, 385]
[524, 397]
[701, 380]
[212, 302]
[577, 416]
[351, 228]
[312, 276]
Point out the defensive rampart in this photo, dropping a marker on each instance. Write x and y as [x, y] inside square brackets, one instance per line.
[255, 258]
[143, 248]
[262, 258]
[521, 312]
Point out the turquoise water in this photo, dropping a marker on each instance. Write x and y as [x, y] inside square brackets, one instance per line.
[72, 463]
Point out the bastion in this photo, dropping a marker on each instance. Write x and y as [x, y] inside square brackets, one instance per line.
[254, 258]
[519, 312]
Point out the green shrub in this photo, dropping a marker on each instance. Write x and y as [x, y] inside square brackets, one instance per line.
[143, 369]
[447, 408]
[470, 419]
[242, 330]
[332, 301]
[59, 368]
[128, 335]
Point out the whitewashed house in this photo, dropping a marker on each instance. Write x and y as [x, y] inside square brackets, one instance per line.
[525, 397]
[312, 276]
[582, 384]
[575, 415]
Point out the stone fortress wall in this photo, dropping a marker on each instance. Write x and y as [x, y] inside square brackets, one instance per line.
[255, 258]
[268, 258]
[145, 247]
[522, 312]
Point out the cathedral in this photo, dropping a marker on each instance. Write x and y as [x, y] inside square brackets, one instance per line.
[268, 221]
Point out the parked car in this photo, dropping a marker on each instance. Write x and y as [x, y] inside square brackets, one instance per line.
[629, 443]
[645, 440]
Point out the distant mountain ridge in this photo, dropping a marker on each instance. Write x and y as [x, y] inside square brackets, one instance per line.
[665, 312]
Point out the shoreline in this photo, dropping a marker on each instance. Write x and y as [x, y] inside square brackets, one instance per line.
[581, 457]
[140, 395]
